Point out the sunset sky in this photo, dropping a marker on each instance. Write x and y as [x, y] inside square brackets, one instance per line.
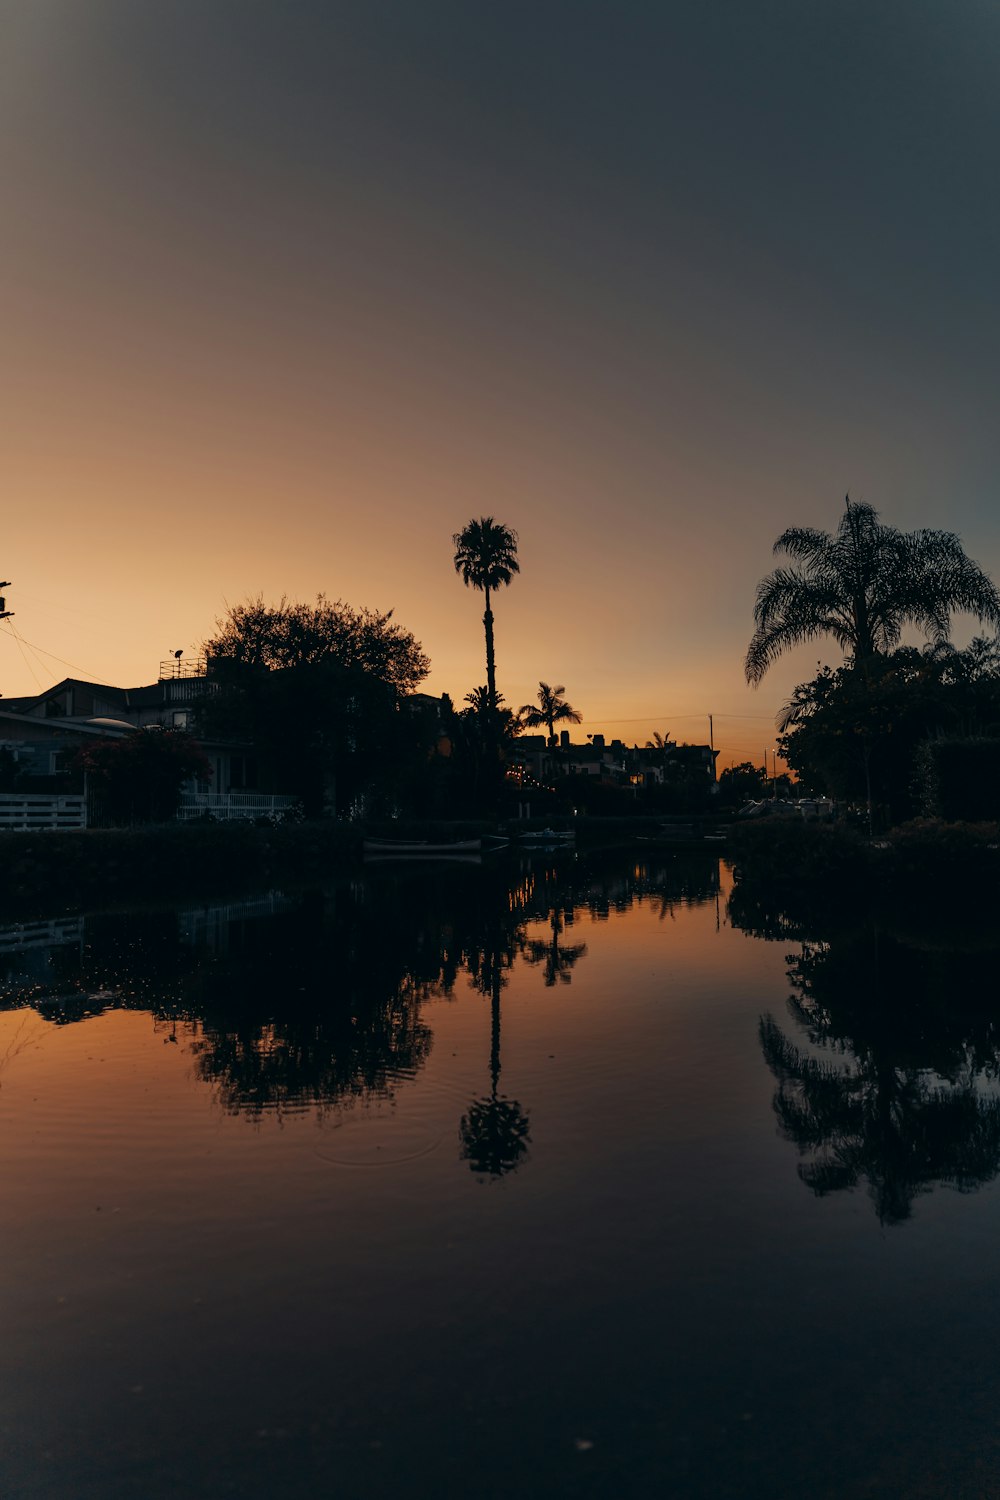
[293, 290]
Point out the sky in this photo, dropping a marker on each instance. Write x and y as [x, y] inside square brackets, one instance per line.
[291, 291]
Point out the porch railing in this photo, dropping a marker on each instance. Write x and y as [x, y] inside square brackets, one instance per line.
[223, 807]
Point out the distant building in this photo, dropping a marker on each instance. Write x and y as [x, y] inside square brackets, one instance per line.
[611, 763]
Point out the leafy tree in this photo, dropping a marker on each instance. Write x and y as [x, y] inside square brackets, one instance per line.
[478, 735]
[551, 709]
[255, 636]
[862, 585]
[486, 557]
[316, 689]
[855, 735]
[141, 774]
[743, 783]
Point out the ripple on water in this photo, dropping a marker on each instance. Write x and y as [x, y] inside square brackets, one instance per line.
[379, 1140]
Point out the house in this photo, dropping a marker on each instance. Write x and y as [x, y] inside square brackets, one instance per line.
[42, 732]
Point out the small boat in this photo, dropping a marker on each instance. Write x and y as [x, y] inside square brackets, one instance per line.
[547, 836]
[418, 856]
[420, 846]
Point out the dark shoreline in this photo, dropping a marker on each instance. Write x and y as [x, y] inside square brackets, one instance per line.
[796, 866]
[49, 870]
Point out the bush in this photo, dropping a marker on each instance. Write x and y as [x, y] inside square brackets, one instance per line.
[787, 851]
[959, 779]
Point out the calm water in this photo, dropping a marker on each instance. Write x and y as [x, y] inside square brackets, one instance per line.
[545, 1179]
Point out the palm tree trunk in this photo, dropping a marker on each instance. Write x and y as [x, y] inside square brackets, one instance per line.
[491, 667]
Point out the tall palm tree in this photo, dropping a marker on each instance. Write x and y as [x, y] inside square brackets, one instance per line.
[552, 708]
[862, 585]
[486, 557]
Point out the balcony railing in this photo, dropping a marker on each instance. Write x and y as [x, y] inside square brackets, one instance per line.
[178, 666]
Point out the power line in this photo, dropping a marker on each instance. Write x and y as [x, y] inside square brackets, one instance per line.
[74, 665]
[645, 718]
[66, 608]
[27, 663]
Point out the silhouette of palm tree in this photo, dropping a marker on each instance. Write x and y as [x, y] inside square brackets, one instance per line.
[486, 557]
[862, 585]
[552, 709]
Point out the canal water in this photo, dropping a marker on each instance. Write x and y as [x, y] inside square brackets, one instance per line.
[564, 1176]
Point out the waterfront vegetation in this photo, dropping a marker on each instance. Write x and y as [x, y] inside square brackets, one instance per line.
[905, 741]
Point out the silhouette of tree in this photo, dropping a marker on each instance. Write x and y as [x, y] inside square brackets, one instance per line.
[501, 722]
[661, 742]
[315, 689]
[141, 773]
[856, 734]
[551, 709]
[271, 637]
[742, 783]
[486, 557]
[862, 585]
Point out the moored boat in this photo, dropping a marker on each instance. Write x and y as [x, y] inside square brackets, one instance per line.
[420, 846]
[547, 836]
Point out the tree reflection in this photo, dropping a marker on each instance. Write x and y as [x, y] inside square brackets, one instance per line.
[317, 1000]
[557, 959]
[495, 1132]
[892, 1080]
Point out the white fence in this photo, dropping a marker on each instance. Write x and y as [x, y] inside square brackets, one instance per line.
[55, 933]
[223, 807]
[21, 810]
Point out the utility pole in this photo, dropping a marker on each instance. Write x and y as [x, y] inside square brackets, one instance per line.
[5, 613]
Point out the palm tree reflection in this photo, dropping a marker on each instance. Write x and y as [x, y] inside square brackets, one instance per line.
[558, 960]
[495, 1132]
[906, 1103]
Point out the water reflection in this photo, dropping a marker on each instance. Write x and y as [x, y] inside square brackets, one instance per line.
[888, 1077]
[317, 1000]
[556, 958]
[495, 1131]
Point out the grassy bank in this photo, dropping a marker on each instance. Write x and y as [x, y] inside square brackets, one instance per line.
[926, 868]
